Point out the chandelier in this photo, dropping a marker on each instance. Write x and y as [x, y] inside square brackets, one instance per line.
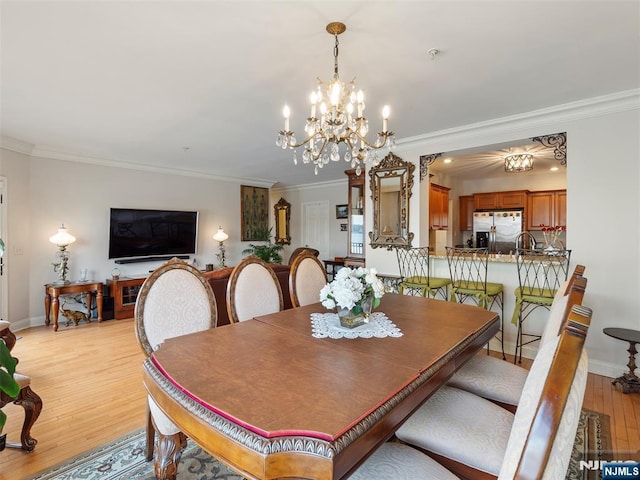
[518, 162]
[337, 103]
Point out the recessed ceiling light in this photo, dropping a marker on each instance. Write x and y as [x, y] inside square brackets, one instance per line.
[447, 160]
[554, 169]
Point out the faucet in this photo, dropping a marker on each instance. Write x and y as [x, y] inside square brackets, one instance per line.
[525, 240]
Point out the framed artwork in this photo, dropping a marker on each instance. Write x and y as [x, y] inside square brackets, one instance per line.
[341, 211]
[254, 208]
[343, 227]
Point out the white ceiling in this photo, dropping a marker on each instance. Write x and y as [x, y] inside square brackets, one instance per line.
[199, 85]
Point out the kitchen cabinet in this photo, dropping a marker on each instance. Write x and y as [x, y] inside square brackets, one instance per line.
[546, 209]
[438, 207]
[466, 212]
[500, 200]
[355, 220]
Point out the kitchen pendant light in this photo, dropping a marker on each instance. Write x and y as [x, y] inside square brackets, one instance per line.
[518, 162]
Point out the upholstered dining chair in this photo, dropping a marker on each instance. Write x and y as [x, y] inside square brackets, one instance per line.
[29, 400]
[468, 269]
[414, 266]
[174, 300]
[502, 382]
[300, 251]
[253, 290]
[475, 438]
[306, 278]
[540, 274]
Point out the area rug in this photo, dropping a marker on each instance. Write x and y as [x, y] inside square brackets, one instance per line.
[124, 458]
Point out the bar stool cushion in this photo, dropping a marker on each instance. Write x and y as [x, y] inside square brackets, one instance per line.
[400, 462]
[476, 289]
[461, 426]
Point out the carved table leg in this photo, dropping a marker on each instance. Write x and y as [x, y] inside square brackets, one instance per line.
[55, 304]
[47, 308]
[629, 382]
[32, 404]
[168, 453]
[99, 303]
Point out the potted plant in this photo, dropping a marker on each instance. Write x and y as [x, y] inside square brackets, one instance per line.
[268, 252]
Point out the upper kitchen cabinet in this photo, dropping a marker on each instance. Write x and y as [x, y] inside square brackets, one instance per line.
[438, 207]
[547, 209]
[466, 212]
[500, 200]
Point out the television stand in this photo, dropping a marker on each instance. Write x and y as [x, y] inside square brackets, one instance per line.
[123, 261]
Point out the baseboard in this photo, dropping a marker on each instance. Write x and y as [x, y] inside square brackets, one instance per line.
[598, 367]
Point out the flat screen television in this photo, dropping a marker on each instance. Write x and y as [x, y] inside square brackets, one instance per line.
[151, 233]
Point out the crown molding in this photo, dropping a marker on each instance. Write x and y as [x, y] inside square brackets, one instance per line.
[16, 145]
[312, 186]
[43, 151]
[592, 107]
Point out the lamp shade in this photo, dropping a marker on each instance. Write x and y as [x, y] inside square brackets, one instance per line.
[62, 238]
[220, 236]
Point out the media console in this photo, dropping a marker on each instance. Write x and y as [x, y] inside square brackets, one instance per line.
[164, 258]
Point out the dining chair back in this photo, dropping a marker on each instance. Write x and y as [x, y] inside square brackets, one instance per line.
[253, 290]
[414, 267]
[306, 279]
[468, 269]
[174, 300]
[540, 275]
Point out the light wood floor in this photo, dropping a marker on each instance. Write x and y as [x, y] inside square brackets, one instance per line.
[90, 380]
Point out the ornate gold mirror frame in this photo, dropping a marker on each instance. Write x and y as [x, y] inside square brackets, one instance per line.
[391, 182]
[282, 210]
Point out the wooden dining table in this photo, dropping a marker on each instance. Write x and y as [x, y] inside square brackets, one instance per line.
[269, 400]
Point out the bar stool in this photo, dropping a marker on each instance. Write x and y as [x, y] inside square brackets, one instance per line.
[468, 269]
[415, 272]
[540, 273]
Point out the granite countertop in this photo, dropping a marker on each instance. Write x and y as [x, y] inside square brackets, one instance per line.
[493, 257]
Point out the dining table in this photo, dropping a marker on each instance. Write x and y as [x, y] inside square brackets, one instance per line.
[290, 395]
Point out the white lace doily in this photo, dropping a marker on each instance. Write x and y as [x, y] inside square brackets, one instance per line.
[328, 325]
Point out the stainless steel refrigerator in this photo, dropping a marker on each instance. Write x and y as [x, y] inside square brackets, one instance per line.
[497, 230]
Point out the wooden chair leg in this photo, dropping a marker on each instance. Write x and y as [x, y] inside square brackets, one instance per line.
[151, 434]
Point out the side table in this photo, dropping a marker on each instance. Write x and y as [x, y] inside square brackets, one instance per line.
[629, 382]
[53, 290]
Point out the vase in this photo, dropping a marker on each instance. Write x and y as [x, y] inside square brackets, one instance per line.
[358, 315]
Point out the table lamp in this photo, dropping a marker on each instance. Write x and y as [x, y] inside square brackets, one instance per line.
[62, 239]
[220, 237]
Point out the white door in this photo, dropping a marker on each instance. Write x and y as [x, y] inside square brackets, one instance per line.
[4, 307]
[315, 227]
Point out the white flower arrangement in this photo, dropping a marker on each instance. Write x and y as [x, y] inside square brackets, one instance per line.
[351, 287]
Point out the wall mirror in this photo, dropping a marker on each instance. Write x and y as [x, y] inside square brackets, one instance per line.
[391, 182]
[282, 210]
